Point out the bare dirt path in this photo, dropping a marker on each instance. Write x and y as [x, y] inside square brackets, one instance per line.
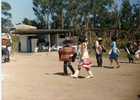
[39, 76]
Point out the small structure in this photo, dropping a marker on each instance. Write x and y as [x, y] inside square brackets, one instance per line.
[35, 40]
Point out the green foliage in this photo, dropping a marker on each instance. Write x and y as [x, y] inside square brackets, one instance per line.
[126, 14]
[123, 45]
[81, 14]
[26, 21]
[15, 40]
[6, 22]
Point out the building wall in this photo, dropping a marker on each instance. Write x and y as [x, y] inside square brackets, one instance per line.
[23, 41]
[61, 41]
[34, 45]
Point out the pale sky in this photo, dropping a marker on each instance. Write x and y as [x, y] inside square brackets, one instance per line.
[23, 9]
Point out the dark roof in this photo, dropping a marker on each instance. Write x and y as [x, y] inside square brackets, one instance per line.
[41, 31]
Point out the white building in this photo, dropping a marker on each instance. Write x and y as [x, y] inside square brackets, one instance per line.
[29, 38]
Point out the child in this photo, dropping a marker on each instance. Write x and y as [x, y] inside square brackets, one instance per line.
[67, 54]
[137, 53]
[84, 60]
[114, 53]
[128, 49]
[78, 50]
[99, 49]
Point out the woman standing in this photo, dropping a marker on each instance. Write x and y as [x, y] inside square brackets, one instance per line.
[114, 53]
[84, 61]
[137, 53]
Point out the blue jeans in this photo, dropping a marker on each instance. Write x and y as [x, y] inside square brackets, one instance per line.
[4, 53]
[130, 58]
[99, 59]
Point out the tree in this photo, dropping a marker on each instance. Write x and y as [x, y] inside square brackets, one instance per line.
[136, 15]
[126, 14]
[6, 22]
[42, 11]
[26, 21]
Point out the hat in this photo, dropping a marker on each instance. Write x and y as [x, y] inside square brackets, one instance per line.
[100, 39]
[5, 36]
[67, 40]
[129, 42]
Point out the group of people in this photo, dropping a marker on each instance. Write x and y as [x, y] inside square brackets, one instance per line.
[68, 53]
[131, 50]
[6, 47]
[113, 53]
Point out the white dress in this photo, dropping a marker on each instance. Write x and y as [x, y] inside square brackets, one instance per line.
[137, 53]
[86, 60]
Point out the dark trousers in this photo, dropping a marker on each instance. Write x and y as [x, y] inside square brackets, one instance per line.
[99, 60]
[130, 58]
[4, 53]
[69, 65]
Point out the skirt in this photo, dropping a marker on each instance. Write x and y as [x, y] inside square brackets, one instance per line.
[85, 63]
[113, 56]
[137, 54]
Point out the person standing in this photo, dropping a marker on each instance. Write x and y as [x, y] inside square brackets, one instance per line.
[78, 50]
[99, 49]
[9, 47]
[114, 53]
[129, 50]
[67, 54]
[5, 43]
[137, 53]
[84, 61]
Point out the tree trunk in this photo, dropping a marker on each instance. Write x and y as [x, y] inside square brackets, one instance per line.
[62, 21]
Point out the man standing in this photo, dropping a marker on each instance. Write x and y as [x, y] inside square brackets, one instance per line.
[129, 50]
[9, 47]
[99, 48]
[6, 42]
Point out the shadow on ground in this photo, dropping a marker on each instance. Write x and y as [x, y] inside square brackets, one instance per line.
[94, 66]
[108, 67]
[139, 96]
[62, 74]
[59, 73]
[124, 62]
[129, 62]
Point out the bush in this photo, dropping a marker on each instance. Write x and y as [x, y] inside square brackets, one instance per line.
[15, 40]
[123, 44]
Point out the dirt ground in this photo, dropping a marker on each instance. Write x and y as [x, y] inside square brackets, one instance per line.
[39, 76]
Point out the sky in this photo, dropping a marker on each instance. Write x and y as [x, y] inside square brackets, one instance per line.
[24, 9]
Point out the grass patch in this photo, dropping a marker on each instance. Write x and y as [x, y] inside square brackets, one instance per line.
[122, 54]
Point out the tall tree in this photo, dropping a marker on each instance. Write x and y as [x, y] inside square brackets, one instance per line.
[136, 15]
[42, 11]
[126, 14]
[6, 22]
[27, 21]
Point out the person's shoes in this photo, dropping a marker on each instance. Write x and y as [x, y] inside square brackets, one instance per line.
[137, 62]
[3, 61]
[65, 74]
[100, 65]
[118, 66]
[7, 60]
[75, 74]
[90, 74]
[111, 67]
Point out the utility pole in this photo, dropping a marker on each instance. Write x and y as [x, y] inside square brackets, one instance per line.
[62, 20]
